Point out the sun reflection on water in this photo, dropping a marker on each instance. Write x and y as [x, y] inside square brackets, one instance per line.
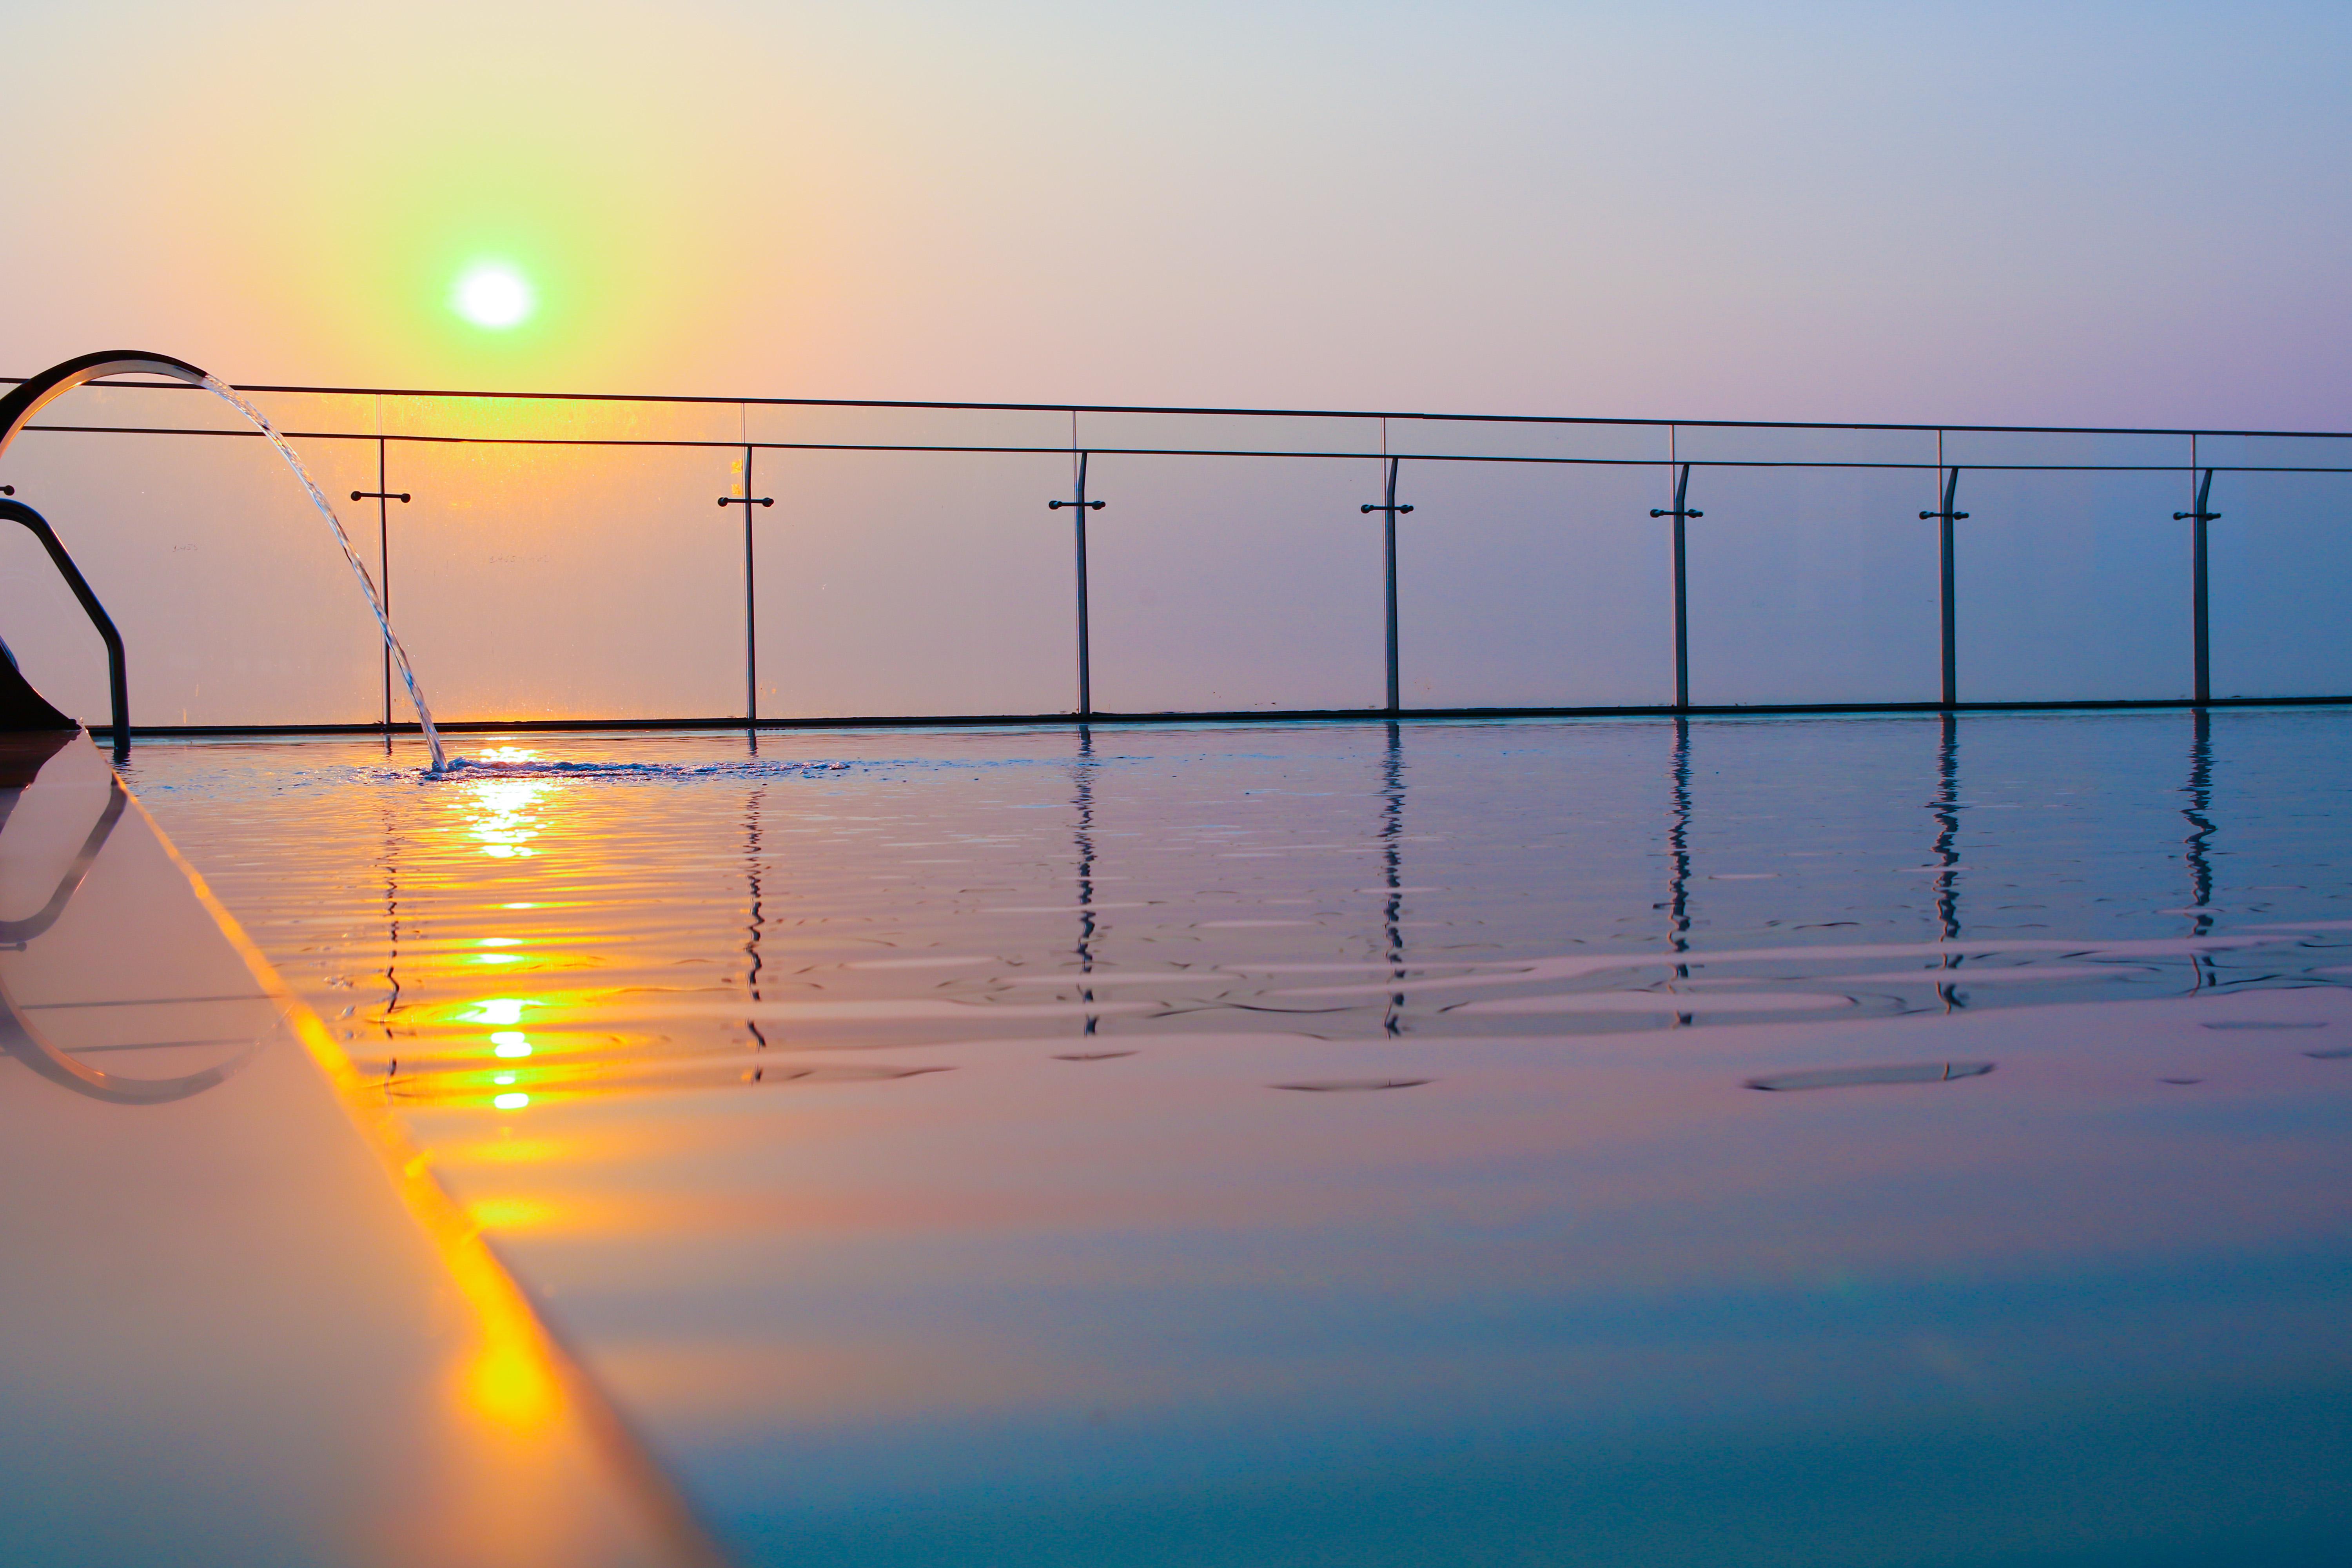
[501, 814]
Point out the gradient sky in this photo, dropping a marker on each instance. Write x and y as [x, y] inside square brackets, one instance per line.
[2086, 213]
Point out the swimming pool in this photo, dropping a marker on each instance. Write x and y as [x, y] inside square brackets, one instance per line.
[1841, 1141]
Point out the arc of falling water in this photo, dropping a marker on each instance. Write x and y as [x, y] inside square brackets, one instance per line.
[359, 568]
[19, 407]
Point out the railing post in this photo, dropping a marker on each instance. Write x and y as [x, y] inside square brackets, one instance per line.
[1944, 518]
[2198, 606]
[1680, 510]
[746, 500]
[1082, 506]
[1389, 508]
[383, 499]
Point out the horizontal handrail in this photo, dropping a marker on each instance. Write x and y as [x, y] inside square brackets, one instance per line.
[736, 445]
[1240, 413]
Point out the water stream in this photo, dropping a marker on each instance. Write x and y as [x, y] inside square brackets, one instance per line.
[359, 568]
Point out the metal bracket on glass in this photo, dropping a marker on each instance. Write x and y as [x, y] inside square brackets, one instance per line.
[1679, 511]
[2200, 517]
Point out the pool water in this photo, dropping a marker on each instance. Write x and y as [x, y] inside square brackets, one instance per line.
[1857, 1140]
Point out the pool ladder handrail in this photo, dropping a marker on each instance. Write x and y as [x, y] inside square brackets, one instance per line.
[117, 679]
[17, 410]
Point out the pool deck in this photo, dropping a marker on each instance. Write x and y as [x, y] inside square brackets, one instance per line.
[242, 1323]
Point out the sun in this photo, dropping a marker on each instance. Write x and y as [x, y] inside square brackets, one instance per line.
[494, 295]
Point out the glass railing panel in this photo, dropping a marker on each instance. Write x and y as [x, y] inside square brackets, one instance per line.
[1223, 584]
[916, 428]
[1806, 445]
[2279, 575]
[234, 603]
[2071, 586]
[132, 407]
[138, 405]
[1216, 433]
[1558, 440]
[1533, 585]
[2065, 450]
[900, 583]
[1810, 585]
[528, 419]
[565, 582]
[2305, 452]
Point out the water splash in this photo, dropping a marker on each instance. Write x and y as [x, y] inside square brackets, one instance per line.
[359, 568]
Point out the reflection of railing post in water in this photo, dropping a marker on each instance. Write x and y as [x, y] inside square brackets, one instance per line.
[1392, 865]
[1678, 860]
[2198, 519]
[391, 933]
[2200, 803]
[1086, 664]
[758, 916]
[1389, 508]
[383, 499]
[746, 500]
[1948, 848]
[1082, 798]
[1945, 517]
[1680, 510]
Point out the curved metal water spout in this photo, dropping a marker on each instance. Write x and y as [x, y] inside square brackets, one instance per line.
[18, 408]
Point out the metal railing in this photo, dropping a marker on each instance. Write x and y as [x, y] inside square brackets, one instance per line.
[1399, 451]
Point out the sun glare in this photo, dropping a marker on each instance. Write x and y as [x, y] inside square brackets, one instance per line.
[492, 294]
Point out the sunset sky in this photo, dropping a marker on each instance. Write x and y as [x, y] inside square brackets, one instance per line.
[2087, 212]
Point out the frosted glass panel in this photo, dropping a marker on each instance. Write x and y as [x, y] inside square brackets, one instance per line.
[1234, 583]
[2072, 586]
[912, 582]
[1533, 585]
[1811, 585]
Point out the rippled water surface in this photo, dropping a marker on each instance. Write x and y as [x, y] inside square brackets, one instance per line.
[1763, 1141]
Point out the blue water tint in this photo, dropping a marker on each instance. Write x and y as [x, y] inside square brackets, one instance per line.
[1342, 1143]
